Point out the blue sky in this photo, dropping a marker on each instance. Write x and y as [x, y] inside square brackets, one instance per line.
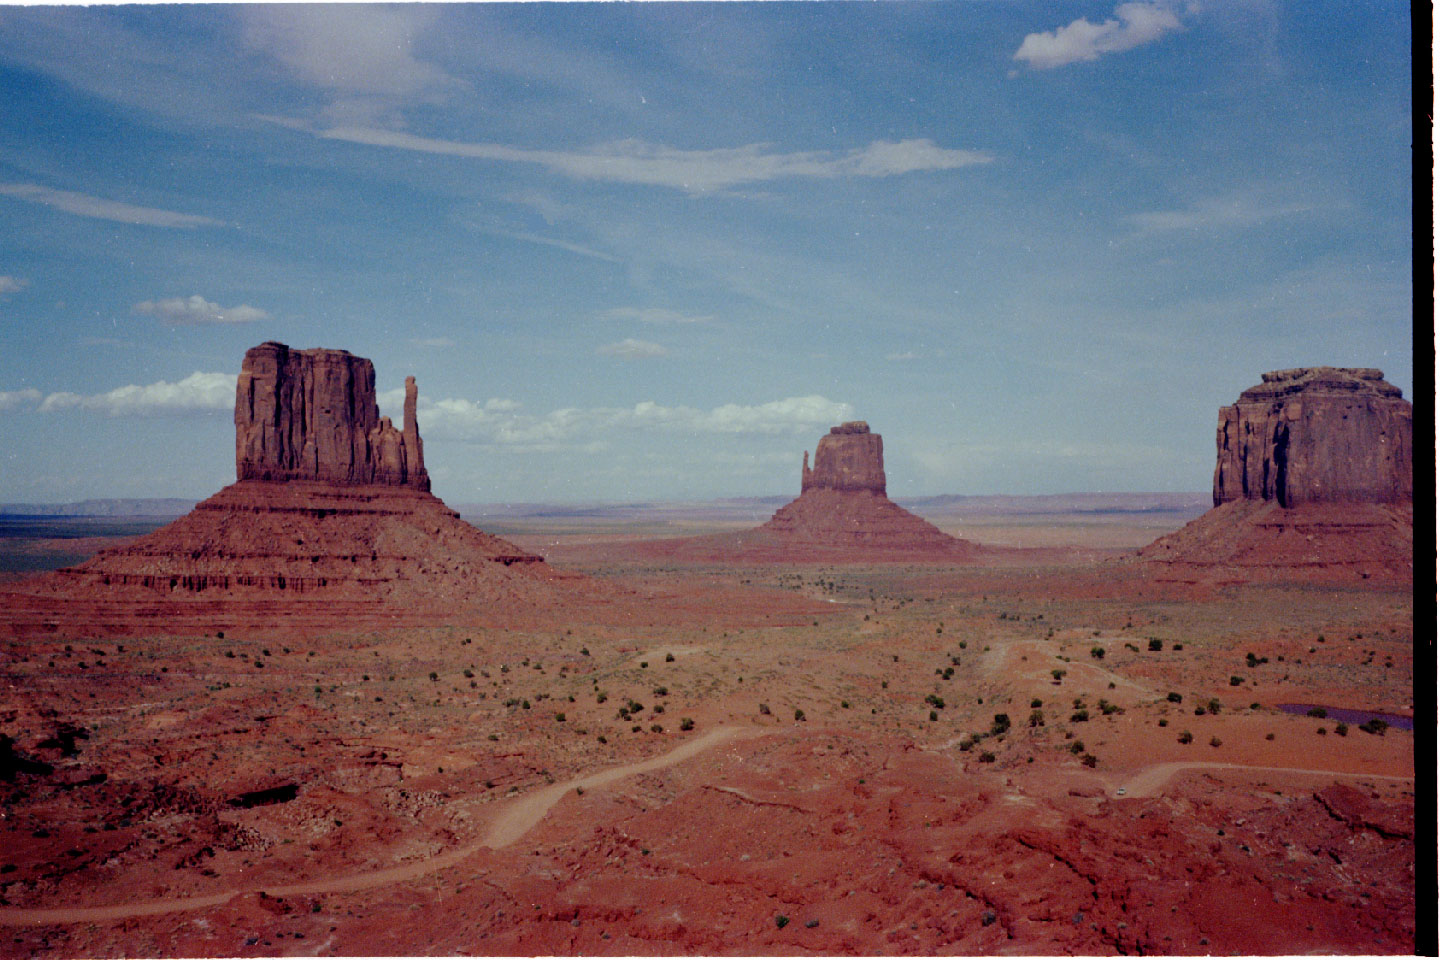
[654, 250]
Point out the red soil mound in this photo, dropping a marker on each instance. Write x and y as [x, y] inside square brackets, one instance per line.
[1260, 540]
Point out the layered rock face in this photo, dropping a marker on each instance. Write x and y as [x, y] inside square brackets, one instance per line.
[1313, 480]
[849, 457]
[842, 503]
[311, 415]
[1316, 435]
[332, 510]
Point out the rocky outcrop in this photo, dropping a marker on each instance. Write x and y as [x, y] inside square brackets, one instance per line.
[1313, 482]
[849, 457]
[1316, 435]
[331, 514]
[311, 415]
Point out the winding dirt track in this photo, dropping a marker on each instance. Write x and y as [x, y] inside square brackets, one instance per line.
[1149, 781]
[514, 822]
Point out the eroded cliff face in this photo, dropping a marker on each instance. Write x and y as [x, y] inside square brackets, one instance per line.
[311, 415]
[849, 457]
[1316, 435]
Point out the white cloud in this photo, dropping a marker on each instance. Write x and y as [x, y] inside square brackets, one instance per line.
[10, 284]
[438, 343]
[503, 422]
[655, 315]
[364, 55]
[632, 349]
[197, 393]
[1205, 214]
[695, 171]
[196, 310]
[10, 399]
[1136, 24]
[84, 205]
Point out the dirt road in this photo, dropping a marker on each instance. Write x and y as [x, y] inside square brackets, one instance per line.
[517, 819]
[1149, 781]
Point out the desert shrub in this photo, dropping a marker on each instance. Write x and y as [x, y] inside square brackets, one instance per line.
[799, 714]
[661, 691]
[1178, 646]
[935, 701]
[601, 697]
[1098, 653]
[1213, 706]
[559, 718]
[1235, 681]
[934, 716]
[1214, 741]
[584, 651]
[1057, 674]
[644, 665]
[1132, 648]
[1077, 747]
[524, 704]
[1173, 697]
[1089, 760]
[1108, 708]
[1080, 716]
[1375, 726]
[656, 728]
[999, 724]
[469, 673]
[780, 921]
[765, 709]
[1186, 737]
[1037, 718]
[1163, 722]
[1317, 712]
[1036, 704]
[1342, 729]
[669, 658]
[686, 723]
[658, 708]
[1156, 645]
[434, 676]
[987, 757]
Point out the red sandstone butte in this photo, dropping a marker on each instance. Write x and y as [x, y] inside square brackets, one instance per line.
[311, 415]
[842, 501]
[1316, 435]
[331, 513]
[1313, 480]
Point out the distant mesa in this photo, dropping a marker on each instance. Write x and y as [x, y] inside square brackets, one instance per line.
[842, 502]
[1313, 477]
[331, 510]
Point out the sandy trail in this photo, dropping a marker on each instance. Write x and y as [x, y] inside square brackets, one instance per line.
[517, 819]
[1149, 781]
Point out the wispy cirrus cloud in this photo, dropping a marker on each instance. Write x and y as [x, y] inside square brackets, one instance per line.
[694, 171]
[1133, 25]
[84, 205]
[9, 284]
[504, 422]
[655, 315]
[197, 311]
[632, 349]
[197, 393]
[1242, 211]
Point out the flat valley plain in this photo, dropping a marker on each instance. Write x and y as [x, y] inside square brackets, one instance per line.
[1053, 754]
